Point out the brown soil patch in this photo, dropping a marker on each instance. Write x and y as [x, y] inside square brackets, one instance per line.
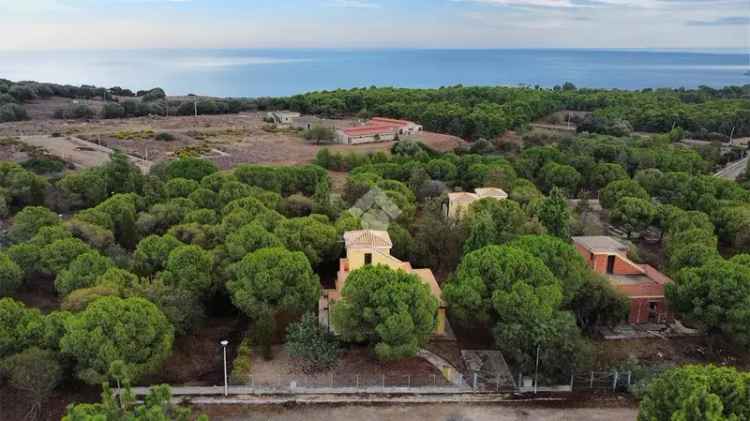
[356, 366]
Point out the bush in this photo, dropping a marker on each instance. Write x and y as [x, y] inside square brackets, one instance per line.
[242, 364]
[113, 110]
[44, 165]
[152, 95]
[12, 112]
[320, 134]
[79, 111]
[311, 344]
[165, 137]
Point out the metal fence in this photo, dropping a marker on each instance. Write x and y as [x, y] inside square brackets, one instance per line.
[356, 381]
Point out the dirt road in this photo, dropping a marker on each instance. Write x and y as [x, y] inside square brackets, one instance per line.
[431, 412]
[81, 153]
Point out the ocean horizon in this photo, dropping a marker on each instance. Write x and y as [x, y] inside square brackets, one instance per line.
[283, 72]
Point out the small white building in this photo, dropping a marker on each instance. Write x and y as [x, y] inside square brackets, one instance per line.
[283, 118]
[459, 202]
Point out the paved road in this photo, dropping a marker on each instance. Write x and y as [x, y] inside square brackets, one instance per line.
[81, 153]
[734, 170]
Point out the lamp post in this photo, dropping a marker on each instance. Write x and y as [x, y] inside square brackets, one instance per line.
[224, 344]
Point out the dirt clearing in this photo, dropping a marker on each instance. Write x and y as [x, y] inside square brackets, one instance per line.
[431, 412]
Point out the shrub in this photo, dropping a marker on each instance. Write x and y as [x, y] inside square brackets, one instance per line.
[311, 344]
[153, 95]
[242, 364]
[79, 111]
[12, 112]
[113, 110]
[44, 165]
[320, 134]
[165, 137]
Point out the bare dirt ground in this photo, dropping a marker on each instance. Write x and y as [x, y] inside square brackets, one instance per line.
[671, 351]
[355, 365]
[431, 412]
[228, 139]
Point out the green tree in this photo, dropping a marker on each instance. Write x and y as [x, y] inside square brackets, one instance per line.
[29, 220]
[36, 373]
[481, 232]
[20, 327]
[715, 295]
[317, 240]
[616, 190]
[391, 310]
[554, 214]
[634, 214]
[561, 176]
[320, 134]
[510, 220]
[605, 173]
[190, 168]
[57, 256]
[11, 275]
[696, 393]
[248, 239]
[156, 406]
[308, 342]
[132, 330]
[273, 280]
[189, 268]
[122, 176]
[561, 258]
[82, 272]
[151, 254]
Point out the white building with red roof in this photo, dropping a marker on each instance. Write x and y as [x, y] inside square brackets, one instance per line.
[378, 129]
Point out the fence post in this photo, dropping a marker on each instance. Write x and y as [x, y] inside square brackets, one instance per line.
[572, 379]
[357, 379]
[591, 385]
[629, 374]
[475, 381]
[497, 385]
[331, 380]
[383, 381]
[614, 383]
[434, 380]
[408, 380]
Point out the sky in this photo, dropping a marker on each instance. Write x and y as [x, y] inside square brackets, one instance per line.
[135, 24]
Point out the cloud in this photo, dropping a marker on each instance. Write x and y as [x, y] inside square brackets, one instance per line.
[353, 4]
[724, 21]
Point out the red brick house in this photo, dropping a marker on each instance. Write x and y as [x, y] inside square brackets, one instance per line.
[641, 283]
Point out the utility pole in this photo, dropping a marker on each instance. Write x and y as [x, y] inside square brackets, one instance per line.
[536, 372]
[195, 104]
[224, 344]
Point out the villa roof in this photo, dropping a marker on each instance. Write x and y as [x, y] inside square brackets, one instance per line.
[369, 129]
[462, 196]
[367, 239]
[600, 244]
[391, 121]
[491, 192]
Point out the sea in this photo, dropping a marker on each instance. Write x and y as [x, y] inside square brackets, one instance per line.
[283, 72]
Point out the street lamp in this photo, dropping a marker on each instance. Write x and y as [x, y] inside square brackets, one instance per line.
[224, 344]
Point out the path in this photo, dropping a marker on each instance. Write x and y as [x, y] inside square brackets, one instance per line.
[733, 170]
[81, 153]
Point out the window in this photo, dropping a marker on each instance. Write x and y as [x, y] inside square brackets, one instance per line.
[610, 264]
[368, 258]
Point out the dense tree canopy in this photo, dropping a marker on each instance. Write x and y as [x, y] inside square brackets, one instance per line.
[391, 310]
[131, 330]
[696, 392]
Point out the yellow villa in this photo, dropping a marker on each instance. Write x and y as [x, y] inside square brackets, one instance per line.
[369, 247]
